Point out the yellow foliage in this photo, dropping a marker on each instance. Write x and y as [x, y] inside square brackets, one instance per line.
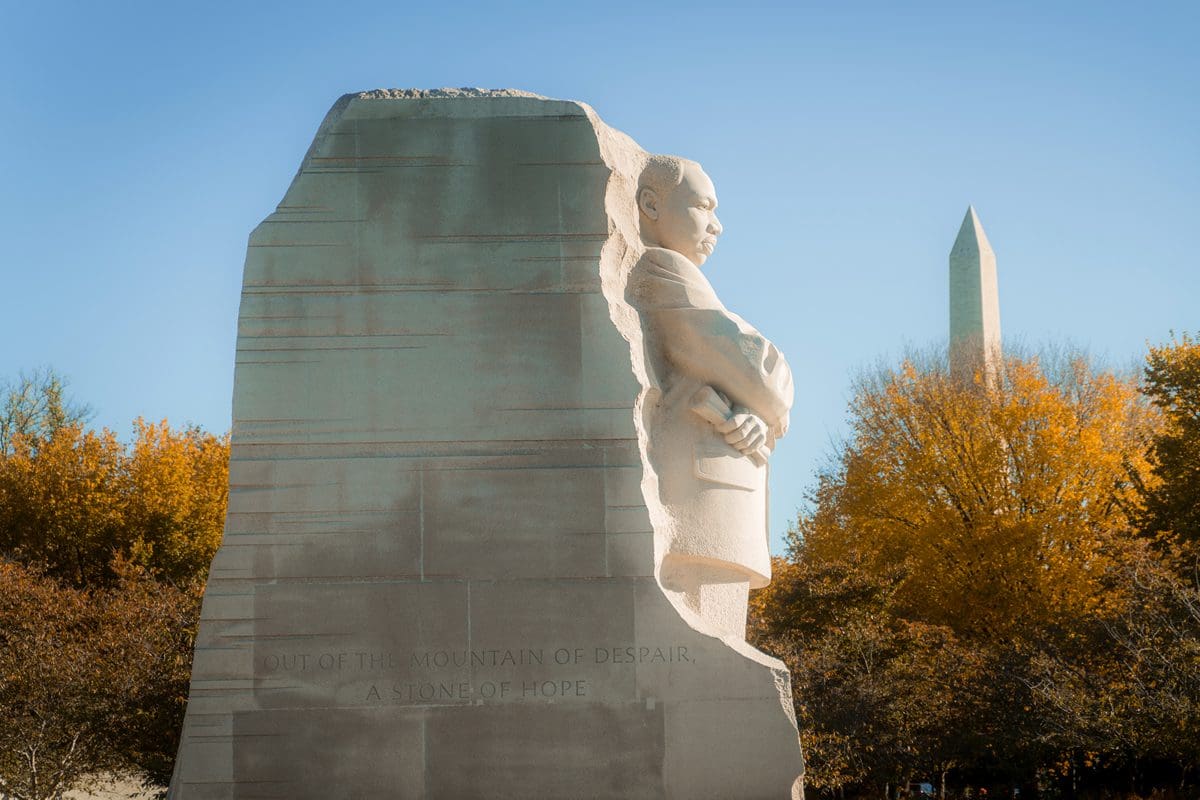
[1003, 503]
[74, 500]
[179, 487]
[974, 596]
[62, 500]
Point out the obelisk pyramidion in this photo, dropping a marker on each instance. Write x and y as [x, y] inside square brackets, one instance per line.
[974, 302]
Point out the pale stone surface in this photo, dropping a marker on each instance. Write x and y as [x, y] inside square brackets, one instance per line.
[974, 301]
[439, 572]
[718, 399]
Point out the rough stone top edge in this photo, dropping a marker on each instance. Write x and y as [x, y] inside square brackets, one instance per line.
[423, 94]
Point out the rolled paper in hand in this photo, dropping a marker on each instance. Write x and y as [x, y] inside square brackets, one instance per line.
[709, 406]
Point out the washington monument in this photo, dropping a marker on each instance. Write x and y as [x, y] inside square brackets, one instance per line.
[974, 303]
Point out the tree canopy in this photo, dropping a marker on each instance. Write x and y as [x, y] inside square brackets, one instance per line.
[72, 501]
[92, 681]
[34, 406]
[1173, 385]
[972, 596]
[104, 550]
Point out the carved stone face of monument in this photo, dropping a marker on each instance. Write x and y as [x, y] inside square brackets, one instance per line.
[678, 204]
[477, 545]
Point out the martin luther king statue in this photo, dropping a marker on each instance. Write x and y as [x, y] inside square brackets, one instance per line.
[722, 401]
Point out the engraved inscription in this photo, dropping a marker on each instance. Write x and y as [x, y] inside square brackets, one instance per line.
[431, 677]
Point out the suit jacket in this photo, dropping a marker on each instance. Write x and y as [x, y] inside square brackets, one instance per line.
[716, 497]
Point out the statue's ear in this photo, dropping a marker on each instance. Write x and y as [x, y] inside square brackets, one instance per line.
[647, 201]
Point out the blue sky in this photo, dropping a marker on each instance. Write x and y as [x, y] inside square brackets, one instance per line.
[143, 141]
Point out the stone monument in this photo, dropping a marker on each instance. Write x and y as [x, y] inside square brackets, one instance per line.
[722, 400]
[497, 480]
[974, 302]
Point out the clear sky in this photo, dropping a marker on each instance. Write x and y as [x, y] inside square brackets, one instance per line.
[141, 142]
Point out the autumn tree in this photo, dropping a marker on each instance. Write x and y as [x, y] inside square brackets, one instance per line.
[1140, 687]
[983, 523]
[63, 500]
[1157, 664]
[92, 681]
[74, 500]
[34, 406]
[104, 548]
[178, 487]
[880, 698]
[1172, 381]
[154, 629]
[1002, 503]
[1130, 699]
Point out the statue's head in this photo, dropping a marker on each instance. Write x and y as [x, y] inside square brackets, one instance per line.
[678, 208]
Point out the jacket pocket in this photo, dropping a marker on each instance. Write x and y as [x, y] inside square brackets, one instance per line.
[722, 465]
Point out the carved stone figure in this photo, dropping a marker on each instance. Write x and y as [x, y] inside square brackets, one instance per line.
[723, 402]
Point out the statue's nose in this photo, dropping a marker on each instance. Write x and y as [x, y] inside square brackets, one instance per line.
[714, 226]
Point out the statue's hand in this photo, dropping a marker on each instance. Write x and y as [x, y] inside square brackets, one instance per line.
[745, 431]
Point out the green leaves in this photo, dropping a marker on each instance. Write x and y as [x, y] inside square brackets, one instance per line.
[1172, 508]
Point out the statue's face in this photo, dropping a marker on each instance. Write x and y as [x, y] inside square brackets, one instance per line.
[686, 220]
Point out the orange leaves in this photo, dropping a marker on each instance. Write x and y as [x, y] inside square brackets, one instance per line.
[179, 487]
[75, 499]
[1001, 500]
[87, 678]
[103, 549]
[977, 586]
[62, 502]
[95, 653]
